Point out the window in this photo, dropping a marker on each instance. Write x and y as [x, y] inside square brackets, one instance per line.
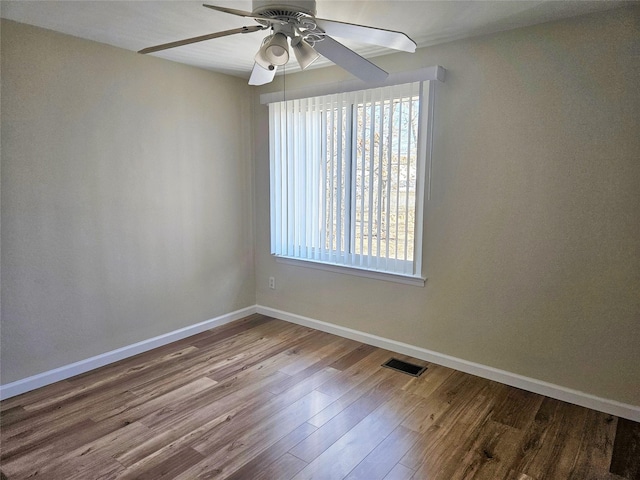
[348, 176]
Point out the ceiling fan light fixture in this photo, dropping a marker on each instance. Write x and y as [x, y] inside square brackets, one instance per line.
[275, 51]
[261, 57]
[263, 61]
[305, 54]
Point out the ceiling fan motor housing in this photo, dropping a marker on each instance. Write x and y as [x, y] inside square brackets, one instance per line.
[284, 9]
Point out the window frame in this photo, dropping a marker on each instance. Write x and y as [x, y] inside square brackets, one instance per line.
[423, 179]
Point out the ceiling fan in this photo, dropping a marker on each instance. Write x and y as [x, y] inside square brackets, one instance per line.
[294, 22]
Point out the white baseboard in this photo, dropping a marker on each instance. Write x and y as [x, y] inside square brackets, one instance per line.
[67, 371]
[631, 412]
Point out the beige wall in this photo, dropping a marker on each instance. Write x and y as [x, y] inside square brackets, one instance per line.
[126, 198]
[533, 227]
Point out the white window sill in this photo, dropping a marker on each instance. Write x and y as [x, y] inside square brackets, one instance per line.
[387, 277]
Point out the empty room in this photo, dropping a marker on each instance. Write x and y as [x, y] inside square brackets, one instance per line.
[332, 239]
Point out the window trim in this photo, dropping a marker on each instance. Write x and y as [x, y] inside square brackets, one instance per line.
[423, 74]
[351, 270]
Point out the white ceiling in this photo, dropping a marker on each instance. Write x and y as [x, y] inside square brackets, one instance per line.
[134, 25]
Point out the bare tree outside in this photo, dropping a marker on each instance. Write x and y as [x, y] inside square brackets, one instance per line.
[383, 177]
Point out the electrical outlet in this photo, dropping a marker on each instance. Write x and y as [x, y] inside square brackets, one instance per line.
[272, 283]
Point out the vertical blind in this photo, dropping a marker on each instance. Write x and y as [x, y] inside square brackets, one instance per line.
[348, 176]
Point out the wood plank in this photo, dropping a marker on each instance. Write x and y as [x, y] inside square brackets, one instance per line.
[324, 356]
[141, 406]
[227, 454]
[177, 430]
[492, 453]
[436, 415]
[437, 453]
[552, 443]
[13, 415]
[221, 360]
[244, 384]
[231, 329]
[513, 475]
[81, 401]
[349, 393]
[625, 459]
[224, 399]
[353, 357]
[203, 362]
[516, 408]
[256, 467]
[426, 414]
[94, 459]
[167, 469]
[306, 354]
[36, 451]
[429, 381]
[234, 417]
[400, 472]
[282, 346]
[296, 406]
[133, 367]
[350, 449]
[35, 395]
[594, 456]
[41, 424]
[358, 373]
[283, 468]
[379, 463]
[316, 443]
[187, 425]
[216, 357]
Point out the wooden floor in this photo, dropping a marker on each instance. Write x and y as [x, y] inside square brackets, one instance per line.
[265, 399]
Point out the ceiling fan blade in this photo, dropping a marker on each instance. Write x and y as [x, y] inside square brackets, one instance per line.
[241, 13]
[373, 35]
[350, 60]
[202, 38]
[232, 11]
[261, 76]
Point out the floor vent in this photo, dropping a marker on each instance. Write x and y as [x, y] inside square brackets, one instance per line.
[404, 367]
